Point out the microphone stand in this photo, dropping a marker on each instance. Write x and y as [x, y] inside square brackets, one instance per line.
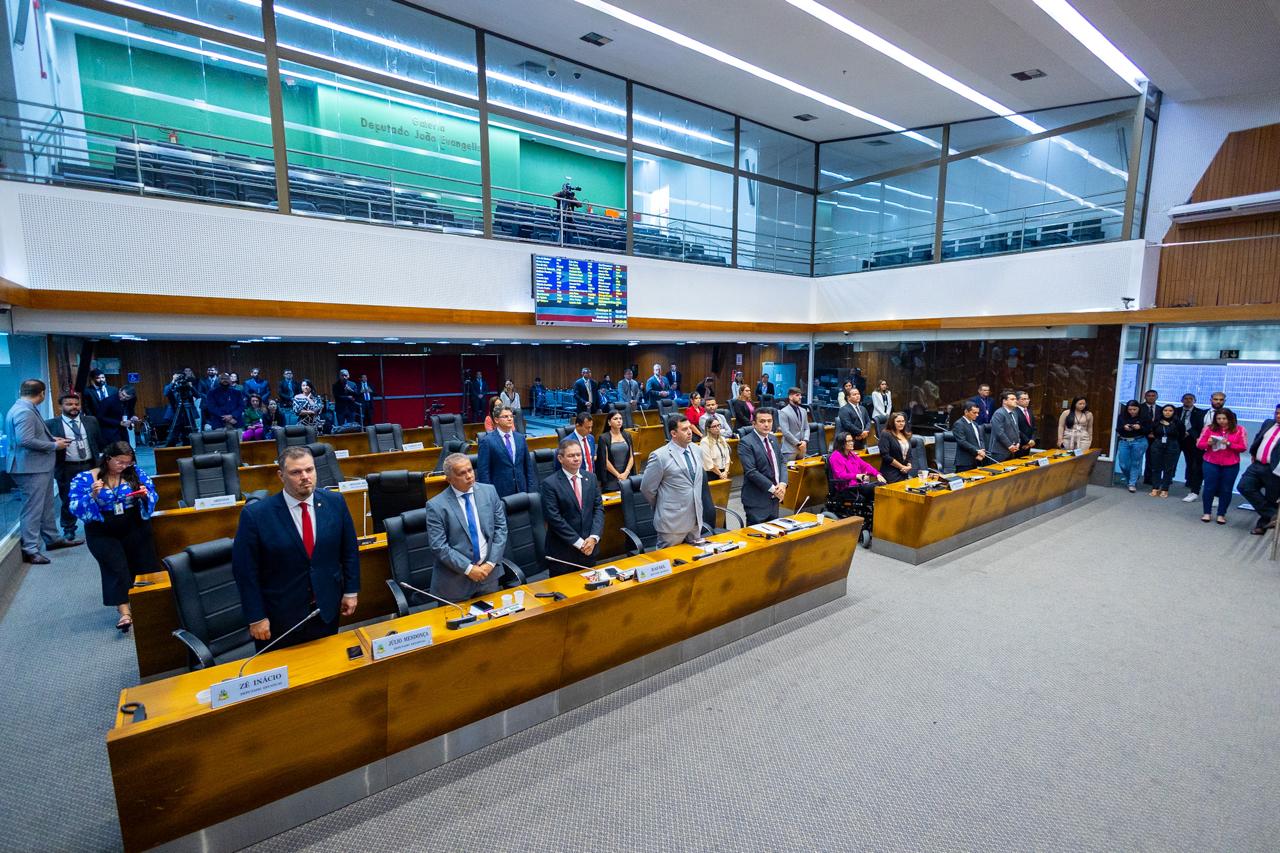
[452, 624]
[313, 614]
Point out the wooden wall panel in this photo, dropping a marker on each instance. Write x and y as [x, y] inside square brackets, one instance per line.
[1245, 269]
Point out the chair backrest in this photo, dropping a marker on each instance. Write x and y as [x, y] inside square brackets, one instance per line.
[384, 437]
[919, 460]
[666, 408]
[817, 439]
[294, 435]
[451, 445]
[208, 476]
[944, 451]
[448, 426]
[208, 599]
[216, 441]
[394, 492]
[562, 431]
[328, 471]
[544, 462]
[518, 414]
[526, 532]
[410, 554]
[627, 421]
[637, 515]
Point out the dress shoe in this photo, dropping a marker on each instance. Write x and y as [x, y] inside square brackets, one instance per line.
[35, 559]
[63, 543]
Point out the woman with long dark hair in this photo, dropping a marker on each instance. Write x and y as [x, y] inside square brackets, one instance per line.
[615, 455]
[1075, 426]
[1166, 445]
[1131, 447]
[115, 502]
[1222, 441]
[895, 449]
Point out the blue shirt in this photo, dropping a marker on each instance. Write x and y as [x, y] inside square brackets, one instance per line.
[86, 507]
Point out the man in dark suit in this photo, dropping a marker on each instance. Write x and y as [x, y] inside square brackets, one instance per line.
[859, 381]
[81, 453]
[658, 387]
[1006, 439]
[210, 381]
[986, 406]
[852, 417]
[575, 515]
[288, 387]
[96, 392]
[583, 433]
[364, 399]
[586, 393]
[968, 435]
[1193, 422]
[673, 379]
[1149, 411]
[503, 460]
[706, 388]
[344, 398]
[295, 552]
[764, 388]
[467, 533]
[764, 477]
[1026, 424]
[479, 396]
[1260, 482]
[112, 414]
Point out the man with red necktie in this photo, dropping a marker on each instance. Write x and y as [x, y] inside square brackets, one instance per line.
[572, 506]
[296, 552]
[1026, 424]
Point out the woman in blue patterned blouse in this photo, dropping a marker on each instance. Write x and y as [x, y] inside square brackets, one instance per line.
[115, 502]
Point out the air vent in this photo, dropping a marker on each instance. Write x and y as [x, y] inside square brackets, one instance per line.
[1029, 74]
[596, 39]
[875, 142]
[805, 117]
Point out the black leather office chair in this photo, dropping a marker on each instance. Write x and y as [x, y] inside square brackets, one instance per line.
[627, 420]
[562, 432]
[216, 441]
[817, 443]
[384, 437]
[208, 476]
[637, 518]
[544, 462]
[667, 408]
[213, 626]
[450, 446]
[526, 535]
[411, 560]
[916, 452]
[518, 415]
[944, 451]
[394, 492]
[328, 472]
[446, 427]
[294, 435]
[710, 512]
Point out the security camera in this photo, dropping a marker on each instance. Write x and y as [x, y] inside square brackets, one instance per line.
[552, 71]
[577, 74]
[846, 334]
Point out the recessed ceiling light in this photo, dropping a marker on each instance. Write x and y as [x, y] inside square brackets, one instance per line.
[596, 39]
[740, 342]
[334, 343]
[356, 341]
[805, 117]
[1029, 74]
[391, 339]
[534, 344]
[442, 342]
[271, 337]
[1098, 44]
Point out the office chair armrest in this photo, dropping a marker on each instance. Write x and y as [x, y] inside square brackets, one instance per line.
[707, 530]
[402, 603]
[516, 573]
[637, 547]
[195, 645]
[182, 504]
[831, 515]
[257, 495]
[728, 513]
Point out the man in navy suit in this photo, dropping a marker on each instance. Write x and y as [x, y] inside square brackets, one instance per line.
[583, 425]
[986, 405]
[572, 506]
[673, 379]
[296, 552]
[503, 458]
[586, 392]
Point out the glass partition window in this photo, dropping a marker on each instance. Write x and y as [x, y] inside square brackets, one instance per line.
[853, 159]
[775, 227]
[671, 123]
[1250, 342]
[968, 135]
[1066, 189]
[878, 224]
[544, 87]
[550, 186]
[774, 154]
[364, 151]
[683, 212]
[241, 17]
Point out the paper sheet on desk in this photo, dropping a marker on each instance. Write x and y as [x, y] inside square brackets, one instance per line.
[766, 527]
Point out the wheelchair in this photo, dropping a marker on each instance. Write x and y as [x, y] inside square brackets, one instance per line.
[846, 503]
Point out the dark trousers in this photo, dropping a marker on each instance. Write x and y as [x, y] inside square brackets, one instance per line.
[122, 546]
[966, 466]
[1261, 488]
[1194, 459]
[1164, 459]
[316, 629]
[760, 514]
[1149, 474]
[63, 475]
[1218, 483]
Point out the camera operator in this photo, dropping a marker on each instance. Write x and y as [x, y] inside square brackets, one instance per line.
[566, 203]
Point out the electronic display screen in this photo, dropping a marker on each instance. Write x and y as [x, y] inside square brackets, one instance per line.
[574, 292]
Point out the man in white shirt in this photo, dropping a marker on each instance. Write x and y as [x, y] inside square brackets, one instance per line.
[572, 506]
[85, 443]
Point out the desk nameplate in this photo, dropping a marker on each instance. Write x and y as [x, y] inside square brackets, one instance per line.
[248, 687]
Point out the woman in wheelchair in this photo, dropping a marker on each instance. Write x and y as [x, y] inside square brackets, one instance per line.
[851, 476]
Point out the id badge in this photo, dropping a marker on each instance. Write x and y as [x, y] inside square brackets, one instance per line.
[119, 509]
[1164, 439]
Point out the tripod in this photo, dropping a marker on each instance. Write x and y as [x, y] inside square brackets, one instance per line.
[185, 420]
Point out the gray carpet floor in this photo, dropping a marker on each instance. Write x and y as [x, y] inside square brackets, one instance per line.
[1105, 678]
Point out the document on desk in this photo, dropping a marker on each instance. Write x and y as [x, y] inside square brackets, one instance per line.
[768, 528]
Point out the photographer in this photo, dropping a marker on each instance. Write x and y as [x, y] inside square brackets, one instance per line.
[566, 203]
[115, 501]
[180, 394]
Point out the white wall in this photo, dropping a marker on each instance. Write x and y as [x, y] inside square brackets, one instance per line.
[1190, 134]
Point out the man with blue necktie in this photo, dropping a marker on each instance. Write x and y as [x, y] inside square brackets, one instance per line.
[672, 485]
[467, 533]
[503, 459]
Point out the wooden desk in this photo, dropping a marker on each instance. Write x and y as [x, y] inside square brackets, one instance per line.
[915, 528]
[155, 615]
[187, 767]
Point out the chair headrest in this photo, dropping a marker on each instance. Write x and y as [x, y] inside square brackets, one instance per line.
[390, 480]
[414, 521]
[383, 428]
[318, 451]
[207, 460]
[208, 555]
[518, 502]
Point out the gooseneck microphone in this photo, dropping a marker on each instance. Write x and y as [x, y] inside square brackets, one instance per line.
[452, 624]
[313, 614]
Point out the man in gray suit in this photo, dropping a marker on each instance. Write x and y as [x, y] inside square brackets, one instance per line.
[793, 420]
[672, 484]
[467, 532]
[764, 475]
[32, 456]
[1005, 439]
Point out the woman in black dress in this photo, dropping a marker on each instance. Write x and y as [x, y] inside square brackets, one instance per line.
[895, 449]
[615, 458]
[1166, 444]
